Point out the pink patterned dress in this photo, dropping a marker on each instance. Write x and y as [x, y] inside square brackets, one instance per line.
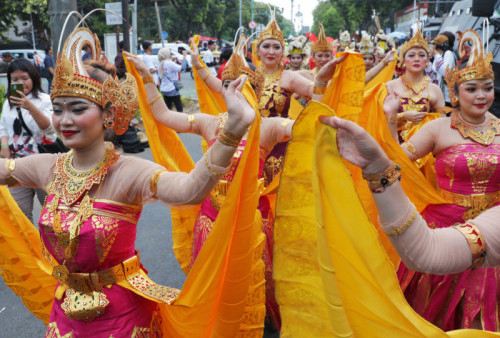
[209, 211]
[468, 175]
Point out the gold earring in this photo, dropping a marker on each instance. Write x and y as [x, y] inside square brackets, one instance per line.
[108, 123]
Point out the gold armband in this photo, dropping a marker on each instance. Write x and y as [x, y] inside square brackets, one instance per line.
[399, 230]
[149, 79]
[411, 148]
[153, 181]
[198, 67]
[212, 170]
[206, 76]
[285, 123]
[378, 182]
[476, 243]
[10, 165]
[154, 99]
[319, 90]
[229, 139]
[191, 120]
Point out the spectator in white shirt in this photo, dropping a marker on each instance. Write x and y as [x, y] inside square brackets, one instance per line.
[169, 75]
[148, 60]
[444, 58]
[208, 57]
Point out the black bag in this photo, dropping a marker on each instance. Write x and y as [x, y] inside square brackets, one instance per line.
[53, 148]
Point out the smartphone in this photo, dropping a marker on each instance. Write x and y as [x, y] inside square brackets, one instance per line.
[14, 87]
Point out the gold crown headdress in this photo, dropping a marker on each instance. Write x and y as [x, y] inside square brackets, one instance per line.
[478, 66]
[366, 45]
[72, 79]
[272, 31]
[416, 41]
[322, 43]
[237, 64]
[344, 39]
[297, 46]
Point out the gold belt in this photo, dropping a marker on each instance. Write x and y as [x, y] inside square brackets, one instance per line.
[475, 203]
[95, 281]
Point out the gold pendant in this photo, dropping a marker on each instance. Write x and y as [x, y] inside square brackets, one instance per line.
[84, 306]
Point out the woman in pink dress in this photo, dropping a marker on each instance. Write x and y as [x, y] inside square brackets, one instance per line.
[95, 196]
[467, 150]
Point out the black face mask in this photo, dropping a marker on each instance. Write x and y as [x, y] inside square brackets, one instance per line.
[18, 127]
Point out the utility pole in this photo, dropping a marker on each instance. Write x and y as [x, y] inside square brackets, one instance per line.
[133, 48]
[240, 11]
[32, 32]
[58, 11]
[291, 19]
[160, 30]
[251, 18]
[125, 26]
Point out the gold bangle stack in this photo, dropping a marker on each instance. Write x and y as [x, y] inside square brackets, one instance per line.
[229, 139]
[319, 87]
[149, 79]
[399, 230]
[378, 182]
[153, 181]
[212, 170]
[476, 243]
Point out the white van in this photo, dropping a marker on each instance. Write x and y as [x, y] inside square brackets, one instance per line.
[25, 53]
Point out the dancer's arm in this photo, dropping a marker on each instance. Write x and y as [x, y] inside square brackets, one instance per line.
[213, 82]
[274, 130]
[379, 66]
[437, 251]
[423, 142]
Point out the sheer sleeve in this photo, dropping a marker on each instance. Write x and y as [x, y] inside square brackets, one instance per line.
[33, 171]
[275, 130]
[423, 141]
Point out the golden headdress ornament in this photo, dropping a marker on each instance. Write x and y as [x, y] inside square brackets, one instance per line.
[344, 39]
[416, 41]
[366, 45]
[322, 43]
[237, 64]
[272, 31]
[478, 66]
[297, 46]
[72, 79]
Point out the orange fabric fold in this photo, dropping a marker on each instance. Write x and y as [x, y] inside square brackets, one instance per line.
[210, 101]
[345, 90]
[169, 151]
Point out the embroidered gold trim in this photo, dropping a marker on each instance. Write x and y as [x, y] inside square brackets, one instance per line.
[53, 332]
[476, 243]
[399, 230]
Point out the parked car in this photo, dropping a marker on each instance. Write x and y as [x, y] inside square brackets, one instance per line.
[25, 53]
[176, 56]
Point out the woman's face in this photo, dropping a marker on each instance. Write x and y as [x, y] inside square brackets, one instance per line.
[296, 60]
[270, 52]
[476, 97]
[416, 59]
[322, 57]
[369, 60]
[79, 122]
[20, 76]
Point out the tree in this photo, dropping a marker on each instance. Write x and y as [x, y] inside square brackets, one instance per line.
[24, 10]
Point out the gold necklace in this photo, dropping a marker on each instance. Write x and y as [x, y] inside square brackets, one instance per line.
[418, 87]
[483, 133]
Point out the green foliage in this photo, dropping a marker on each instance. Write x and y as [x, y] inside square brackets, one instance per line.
[3, 98]
[12, 9]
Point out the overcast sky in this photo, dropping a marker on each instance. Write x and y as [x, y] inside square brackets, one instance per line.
[306, 8]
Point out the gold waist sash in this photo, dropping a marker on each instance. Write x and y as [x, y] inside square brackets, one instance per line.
[475, 203]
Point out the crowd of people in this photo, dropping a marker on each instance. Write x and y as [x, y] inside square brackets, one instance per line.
[81, 264]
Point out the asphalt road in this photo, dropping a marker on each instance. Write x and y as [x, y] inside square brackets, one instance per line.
[153, 241]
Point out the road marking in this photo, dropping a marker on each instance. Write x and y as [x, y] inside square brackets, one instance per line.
[2, 310]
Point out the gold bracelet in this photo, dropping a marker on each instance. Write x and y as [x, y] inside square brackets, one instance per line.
[319, 90]
[399, 230]
[476, 243]
[393, 119]
[229, 139]
[198, 67]
[191, 120]
[378, 182]
[401, 116]
[212, 170]
[154, 99]
[411, 148]
[10, 165]
[149, 79]
[153, 181]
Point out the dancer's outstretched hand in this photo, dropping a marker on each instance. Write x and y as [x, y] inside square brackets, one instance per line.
[357, 146]
[241, 113]
[139, 64]
[327, 71]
